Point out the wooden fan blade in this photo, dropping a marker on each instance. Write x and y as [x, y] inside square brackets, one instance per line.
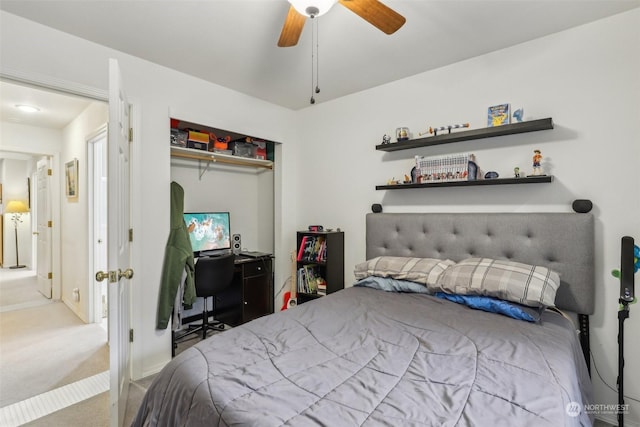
[292, 28]
[376, 13]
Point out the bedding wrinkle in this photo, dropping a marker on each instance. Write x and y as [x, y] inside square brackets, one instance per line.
[398, 379]
[561, 371]
[447, 329]
[516, 404]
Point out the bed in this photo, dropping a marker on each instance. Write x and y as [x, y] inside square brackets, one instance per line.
[366, 356]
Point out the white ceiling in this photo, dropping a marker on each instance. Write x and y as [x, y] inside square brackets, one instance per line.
[233, 42]
[56, 110]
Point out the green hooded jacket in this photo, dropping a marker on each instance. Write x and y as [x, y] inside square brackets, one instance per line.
[178, 257]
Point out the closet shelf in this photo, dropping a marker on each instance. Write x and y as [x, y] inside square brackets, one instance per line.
[188, 153]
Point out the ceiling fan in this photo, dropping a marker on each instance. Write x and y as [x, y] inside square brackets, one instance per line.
[372, 11]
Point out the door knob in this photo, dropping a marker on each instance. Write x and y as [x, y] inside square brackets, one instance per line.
[127, 274]
[101, 275]
[35, 233]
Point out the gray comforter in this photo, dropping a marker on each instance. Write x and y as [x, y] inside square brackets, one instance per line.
[368, 357]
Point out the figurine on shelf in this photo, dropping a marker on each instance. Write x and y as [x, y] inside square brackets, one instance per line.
[518, 115]
[386, 139]
[516, 172]
[393, 181]
[414, 174]
[402, 134]
[537, 159]
[473, 169]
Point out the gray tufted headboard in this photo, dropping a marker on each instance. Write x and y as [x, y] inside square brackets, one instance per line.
[563, 242]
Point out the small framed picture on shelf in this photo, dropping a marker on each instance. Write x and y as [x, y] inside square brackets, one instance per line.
[498, 115]
[71, 179]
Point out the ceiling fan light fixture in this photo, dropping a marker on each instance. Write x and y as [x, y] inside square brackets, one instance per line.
[312, 8]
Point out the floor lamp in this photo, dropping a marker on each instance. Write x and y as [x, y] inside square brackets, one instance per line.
[16, 208]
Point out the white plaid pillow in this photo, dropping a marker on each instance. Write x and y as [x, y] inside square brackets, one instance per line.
[511, 281]
[420, 270]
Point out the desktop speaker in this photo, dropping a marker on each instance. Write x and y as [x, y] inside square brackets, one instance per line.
[236, 243]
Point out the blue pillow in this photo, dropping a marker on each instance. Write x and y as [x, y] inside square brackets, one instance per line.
[494, 305]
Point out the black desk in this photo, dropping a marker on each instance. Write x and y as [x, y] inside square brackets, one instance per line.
[250, 295]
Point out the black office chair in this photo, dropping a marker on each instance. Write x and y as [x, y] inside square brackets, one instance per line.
[212, 276]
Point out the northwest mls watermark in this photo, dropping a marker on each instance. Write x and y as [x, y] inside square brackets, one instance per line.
[574, 409]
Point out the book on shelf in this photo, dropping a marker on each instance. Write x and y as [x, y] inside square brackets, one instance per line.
[312, 249]
[498, 115]
[445, 168]
[322, 287]
[310, 281]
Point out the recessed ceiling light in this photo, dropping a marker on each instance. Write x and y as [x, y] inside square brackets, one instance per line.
[27, 108]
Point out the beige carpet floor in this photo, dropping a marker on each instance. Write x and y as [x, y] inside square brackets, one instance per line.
[19, 289]
[44, 345]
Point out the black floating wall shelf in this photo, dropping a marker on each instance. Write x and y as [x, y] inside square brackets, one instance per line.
[468, 135]
[496, 181]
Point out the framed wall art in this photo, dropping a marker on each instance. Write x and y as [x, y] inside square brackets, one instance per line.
[71, 179]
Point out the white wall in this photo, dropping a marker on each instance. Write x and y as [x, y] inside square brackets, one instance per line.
[587, 79]
[157, 94]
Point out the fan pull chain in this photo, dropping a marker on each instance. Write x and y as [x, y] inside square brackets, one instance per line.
[313, 28]
[317, 27]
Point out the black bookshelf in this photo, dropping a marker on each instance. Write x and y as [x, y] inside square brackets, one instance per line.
[332, 268]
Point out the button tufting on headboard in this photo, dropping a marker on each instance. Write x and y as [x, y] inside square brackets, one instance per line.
[563, 241]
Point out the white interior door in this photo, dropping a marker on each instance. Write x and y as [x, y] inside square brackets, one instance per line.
[118, 246]
[43, 228]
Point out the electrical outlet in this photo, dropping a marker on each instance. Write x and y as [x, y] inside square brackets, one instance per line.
[76, 294]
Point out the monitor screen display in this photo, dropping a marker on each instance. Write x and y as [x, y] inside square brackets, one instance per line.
[208, 230]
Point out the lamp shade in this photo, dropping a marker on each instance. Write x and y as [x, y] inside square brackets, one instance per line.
[16, 206]
[312, 7]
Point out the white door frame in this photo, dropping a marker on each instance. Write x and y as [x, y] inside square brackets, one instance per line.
[96, 149]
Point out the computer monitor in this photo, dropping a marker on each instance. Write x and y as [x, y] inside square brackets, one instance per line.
[208, 231]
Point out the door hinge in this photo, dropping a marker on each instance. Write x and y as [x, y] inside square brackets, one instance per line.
[130, 335]
[131, 234]
[49, 172]
[130, 134]
[49, 275]
[49, 224]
